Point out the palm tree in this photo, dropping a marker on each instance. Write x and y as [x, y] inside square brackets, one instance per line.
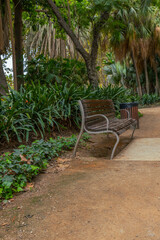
[154, 50]
[134, 35]
[124, 39]
[145, 26]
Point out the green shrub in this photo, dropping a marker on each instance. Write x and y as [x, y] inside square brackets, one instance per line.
[140, 114]
[41, 109]
[27, 111]
[149, 99]
[49, 71]
[20, 166]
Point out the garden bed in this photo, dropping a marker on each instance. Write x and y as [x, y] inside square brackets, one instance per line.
[22, 164]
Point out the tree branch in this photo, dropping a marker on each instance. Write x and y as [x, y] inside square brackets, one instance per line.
[41, 10]
[68, 30]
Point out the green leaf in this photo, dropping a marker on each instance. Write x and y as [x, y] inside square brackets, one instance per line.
[7, 181]
[34, 167]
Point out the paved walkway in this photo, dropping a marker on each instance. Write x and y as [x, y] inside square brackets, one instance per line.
[146, 144]
[141, 149]
[94, 199]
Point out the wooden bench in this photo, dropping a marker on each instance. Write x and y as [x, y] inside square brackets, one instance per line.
[98, 116]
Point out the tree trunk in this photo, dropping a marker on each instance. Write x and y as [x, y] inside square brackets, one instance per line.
[1, 34]
[3, 81]
[146, 76]
[157, 81]
[137, 76]
[92, 73]
[13, 45]
[18, 41]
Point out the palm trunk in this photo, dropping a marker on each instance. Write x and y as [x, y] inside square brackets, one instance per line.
[146, 76]
[157, 81]
[18, 41]
[137, 76]
[3, 81]
[63, 48]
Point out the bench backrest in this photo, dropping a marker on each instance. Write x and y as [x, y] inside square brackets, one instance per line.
[94, 106]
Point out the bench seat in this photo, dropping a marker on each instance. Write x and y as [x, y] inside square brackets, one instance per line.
[117, 125]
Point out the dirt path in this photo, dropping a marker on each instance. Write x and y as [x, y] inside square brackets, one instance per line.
[93, 199]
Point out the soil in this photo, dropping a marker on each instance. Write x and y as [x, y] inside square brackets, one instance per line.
[91, 197]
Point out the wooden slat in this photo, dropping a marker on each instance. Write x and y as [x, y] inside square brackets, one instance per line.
[95, 106]
[119, 125]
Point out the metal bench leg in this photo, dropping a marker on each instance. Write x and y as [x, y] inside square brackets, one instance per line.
[134, 128]
[115, 146]
[82, 129]
[76, 146]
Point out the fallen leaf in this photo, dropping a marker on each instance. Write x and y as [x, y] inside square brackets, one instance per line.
[4, 224]
[29, 186]
[23, 159]
[63, 160]
[62, 167]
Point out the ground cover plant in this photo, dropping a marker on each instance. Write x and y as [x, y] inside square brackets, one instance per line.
[20, 166]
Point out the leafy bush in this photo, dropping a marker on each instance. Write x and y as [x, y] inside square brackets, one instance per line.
[149, 99]
[40, 109]
[27, 111]
[17, 168]
[48, 71]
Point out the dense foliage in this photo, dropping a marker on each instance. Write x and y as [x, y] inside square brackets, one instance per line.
[46, 71]
[20, 166]
[40, 109]
[122, 73]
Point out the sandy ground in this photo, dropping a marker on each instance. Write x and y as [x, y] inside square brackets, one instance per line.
[94, 198]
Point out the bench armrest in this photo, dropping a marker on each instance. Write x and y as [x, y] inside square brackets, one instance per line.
[128, 113]
[101, 115]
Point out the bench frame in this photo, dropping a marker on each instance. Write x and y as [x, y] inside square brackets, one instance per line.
[83, 128]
